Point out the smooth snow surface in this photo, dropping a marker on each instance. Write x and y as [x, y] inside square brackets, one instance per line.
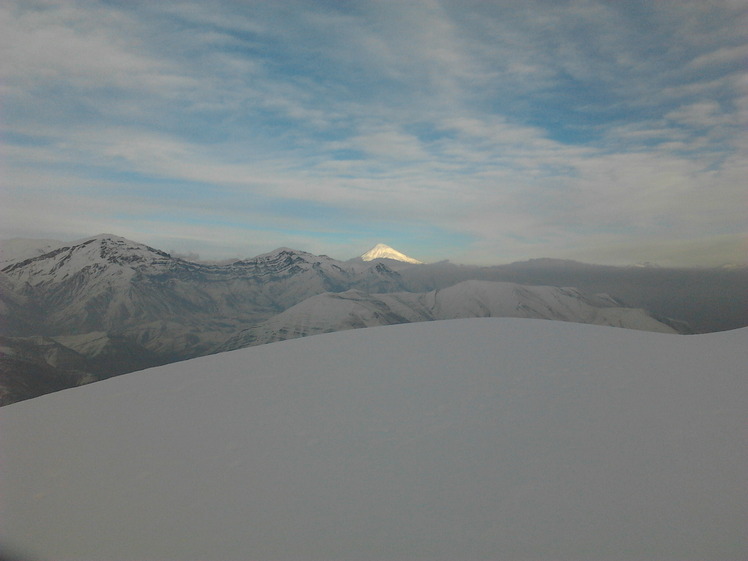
[18, 249]
[462, 440]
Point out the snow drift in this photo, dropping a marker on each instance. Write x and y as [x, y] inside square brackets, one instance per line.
[472, 439]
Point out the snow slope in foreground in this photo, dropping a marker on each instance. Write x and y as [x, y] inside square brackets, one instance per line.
[500, 439]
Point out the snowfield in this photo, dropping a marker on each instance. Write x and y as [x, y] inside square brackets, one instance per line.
[461, 440]
[383, 251]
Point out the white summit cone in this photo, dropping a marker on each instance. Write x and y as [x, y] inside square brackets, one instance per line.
[383, 251]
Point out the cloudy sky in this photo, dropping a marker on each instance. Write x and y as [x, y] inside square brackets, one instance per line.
[475, 131]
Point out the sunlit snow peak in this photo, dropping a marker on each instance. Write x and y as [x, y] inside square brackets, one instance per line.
[383, 251]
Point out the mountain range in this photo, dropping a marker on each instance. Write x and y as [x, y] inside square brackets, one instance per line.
[353, 309]
[71, 313]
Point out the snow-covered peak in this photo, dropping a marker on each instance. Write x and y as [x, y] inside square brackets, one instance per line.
[383, 251]
[95, 255]
[278, 251]
[286, 258]
[119, 244]
[286, 251]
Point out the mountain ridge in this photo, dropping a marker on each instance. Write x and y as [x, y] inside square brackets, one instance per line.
[150, 304]
[125, 305]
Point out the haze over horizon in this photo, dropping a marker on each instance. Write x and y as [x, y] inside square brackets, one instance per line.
[479, 132]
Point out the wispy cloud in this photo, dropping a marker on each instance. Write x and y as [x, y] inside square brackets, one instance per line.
[498, 130]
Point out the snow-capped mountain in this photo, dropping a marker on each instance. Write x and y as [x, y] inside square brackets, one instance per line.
[382, 251]
[290, 276]
[150, 308]
[88, 284]
[476, 439]
[109, 283]
[354, 309]
[125, 306]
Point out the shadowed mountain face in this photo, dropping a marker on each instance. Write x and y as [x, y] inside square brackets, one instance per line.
[31, 366]
[124, 306]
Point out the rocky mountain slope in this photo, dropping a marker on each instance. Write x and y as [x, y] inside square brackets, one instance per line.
[31, 366]
[125, 305]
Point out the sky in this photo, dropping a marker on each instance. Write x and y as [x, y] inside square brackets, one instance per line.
[482, 132]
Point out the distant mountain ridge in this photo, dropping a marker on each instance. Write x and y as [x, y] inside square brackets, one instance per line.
[354, 309]
[123, 305]
[137, 301]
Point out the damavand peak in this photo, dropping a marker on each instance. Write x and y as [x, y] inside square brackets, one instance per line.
[383, 251]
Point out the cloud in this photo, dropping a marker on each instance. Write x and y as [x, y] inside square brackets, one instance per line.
[702, 114]
[390, 143]
[508, 130]
[705, 251]
[723, 55]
